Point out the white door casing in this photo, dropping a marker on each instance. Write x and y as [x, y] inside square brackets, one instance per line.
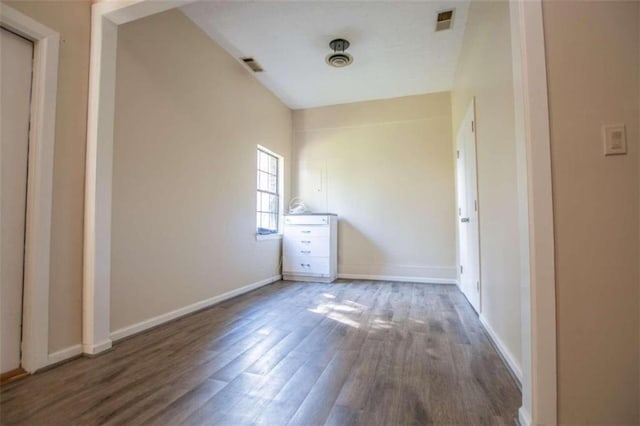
[15, 89]
[533, 158]
[35, 315]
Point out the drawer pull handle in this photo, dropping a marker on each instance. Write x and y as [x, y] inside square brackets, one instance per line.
[305, 265]
[305, 242]
[305, 251]
[306, 232]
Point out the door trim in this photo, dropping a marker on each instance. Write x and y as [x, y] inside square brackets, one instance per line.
[533, 152]
[35, 315]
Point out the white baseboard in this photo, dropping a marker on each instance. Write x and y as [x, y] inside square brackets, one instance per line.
[75, 350]
[64, 354]
[399, 278]
[506, 355]
[161, 319]
[97, 348]
[524, 417]
[293, 277]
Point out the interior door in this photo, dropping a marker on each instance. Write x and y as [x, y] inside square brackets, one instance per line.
[15, 90]
[468, 209]
[463, 238]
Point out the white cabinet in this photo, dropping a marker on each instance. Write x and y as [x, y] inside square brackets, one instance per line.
[310, 247]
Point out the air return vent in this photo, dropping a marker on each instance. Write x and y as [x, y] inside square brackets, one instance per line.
[444, 20]
[251, 63]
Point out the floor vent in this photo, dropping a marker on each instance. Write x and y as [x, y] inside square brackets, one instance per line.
[444, 20]
[251, 63]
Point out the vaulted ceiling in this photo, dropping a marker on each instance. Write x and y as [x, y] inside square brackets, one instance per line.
[395, 47]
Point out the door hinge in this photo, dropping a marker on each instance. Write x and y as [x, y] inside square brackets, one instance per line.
[473, 126]
[478, 285]
[461, 269]
[459, 211]
[457, 154]
[475, 205]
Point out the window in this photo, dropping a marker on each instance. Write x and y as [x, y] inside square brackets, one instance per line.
[268, 201]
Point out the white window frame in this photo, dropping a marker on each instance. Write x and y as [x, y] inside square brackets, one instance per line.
[277, 235]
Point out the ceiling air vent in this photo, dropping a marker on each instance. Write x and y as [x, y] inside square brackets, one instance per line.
[339, 58]
[251, 63]
[444, 20]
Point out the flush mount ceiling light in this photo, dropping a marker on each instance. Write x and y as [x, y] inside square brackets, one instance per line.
[339, 58]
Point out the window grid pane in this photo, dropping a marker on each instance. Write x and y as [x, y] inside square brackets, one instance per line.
[273, 184]
[263, 179]
[268, 198]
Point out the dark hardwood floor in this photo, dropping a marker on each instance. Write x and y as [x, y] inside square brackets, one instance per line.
[351, 352]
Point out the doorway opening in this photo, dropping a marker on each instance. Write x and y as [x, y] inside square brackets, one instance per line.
[539, 378]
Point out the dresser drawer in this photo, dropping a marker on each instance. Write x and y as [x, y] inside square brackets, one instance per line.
[317, 266]
[306, 220]
[306, 246]
[297, 231]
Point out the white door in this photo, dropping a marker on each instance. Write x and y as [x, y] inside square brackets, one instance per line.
[16, 64]
[467, 200]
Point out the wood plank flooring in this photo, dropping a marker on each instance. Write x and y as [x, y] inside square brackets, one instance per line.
[347, 353]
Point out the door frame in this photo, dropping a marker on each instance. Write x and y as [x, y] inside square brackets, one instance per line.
[535, 211]
[534, 184]
[35, 307]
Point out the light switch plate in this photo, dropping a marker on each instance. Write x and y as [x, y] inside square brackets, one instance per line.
[615, 139]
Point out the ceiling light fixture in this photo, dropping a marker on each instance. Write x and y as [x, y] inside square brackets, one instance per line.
[339, 58]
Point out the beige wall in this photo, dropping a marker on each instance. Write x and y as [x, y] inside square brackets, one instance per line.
[386, 168]
[485, 71]
[72, 20]
[188, 118]
[592, 51]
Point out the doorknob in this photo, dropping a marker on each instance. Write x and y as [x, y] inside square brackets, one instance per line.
[464, 220]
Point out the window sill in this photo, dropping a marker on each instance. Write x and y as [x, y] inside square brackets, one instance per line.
[262, 237]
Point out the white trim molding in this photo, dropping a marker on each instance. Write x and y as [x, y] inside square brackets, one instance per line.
[539, 367]
[504, 352]
[398, 278]
[267, 237]
[65, 354]
[35, 332]
[161, 319]
[98, 168]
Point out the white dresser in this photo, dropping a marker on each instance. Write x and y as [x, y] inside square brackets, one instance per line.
[310, 247]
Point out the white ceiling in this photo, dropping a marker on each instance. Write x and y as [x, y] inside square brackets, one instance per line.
[395, 48]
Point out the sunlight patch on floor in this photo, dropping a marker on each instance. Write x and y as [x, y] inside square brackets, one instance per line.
[337, 311]
[336, 316]
[379, 324]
